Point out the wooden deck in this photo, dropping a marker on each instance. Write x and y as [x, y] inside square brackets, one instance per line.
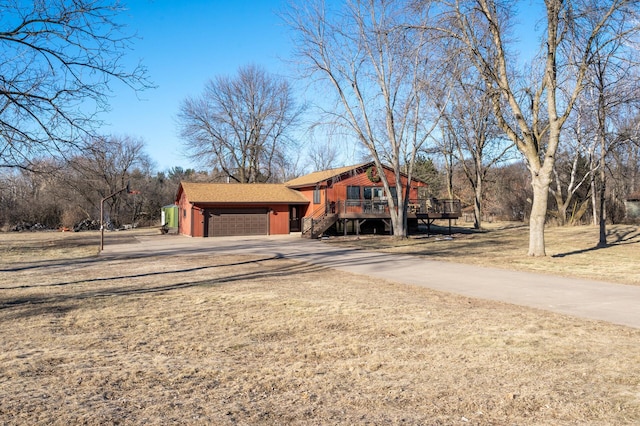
[358, 212]
[417, 209]
[386, 215]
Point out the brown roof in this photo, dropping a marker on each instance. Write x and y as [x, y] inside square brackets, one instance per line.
[634, 197]
[241, 193]
[316, 177]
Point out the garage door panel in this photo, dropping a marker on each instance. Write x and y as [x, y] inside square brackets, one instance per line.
[231, 222]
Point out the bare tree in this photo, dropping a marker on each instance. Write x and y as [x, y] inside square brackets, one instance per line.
[532, 111]
[29, 198]
[105, 165]
[572, 170]
[625, 164]
[476, 142]
[444, 147]
[323, 154]
[511, 191]
[381, 77]
[240, 125]
[613, 85]
[59, 58]
[570, 178]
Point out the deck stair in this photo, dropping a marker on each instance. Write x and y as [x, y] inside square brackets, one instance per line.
[314, 227]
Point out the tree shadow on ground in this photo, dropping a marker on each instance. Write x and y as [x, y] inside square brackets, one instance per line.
[615, 237]
[439, 229]
[25, 266]
[131, 276]
[440, 244]
[37, 304]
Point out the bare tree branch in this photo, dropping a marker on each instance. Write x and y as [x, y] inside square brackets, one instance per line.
[383, 77]
[60, 58]
[240, 125]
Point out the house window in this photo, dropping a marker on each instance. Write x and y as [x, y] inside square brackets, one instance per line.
[394, 193]
[353, 192]
[316, 196]
[373, 192]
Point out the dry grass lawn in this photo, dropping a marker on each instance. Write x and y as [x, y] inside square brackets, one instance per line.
[244, 340]
[571, 251]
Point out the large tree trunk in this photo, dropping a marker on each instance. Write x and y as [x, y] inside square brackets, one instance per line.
[561, 206]
[538, 216]
[602, 130]
[477, 204]
[594, 196]
[397, 212]
[602, 222]
[562, 215]
[398, 223]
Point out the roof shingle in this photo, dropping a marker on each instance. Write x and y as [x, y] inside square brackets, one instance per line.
[316, 177]
[241, 193]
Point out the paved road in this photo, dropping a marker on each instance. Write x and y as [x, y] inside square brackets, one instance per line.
[615, 303]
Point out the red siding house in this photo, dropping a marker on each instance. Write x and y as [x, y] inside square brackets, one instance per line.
[222, 209]
[346, 199]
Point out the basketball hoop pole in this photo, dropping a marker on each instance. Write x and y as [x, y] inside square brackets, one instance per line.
[126, 188]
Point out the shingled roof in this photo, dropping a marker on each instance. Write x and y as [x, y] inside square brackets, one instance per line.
[241, 193]
[317, 177]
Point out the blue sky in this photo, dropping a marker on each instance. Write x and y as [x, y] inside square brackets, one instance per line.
[183, 45]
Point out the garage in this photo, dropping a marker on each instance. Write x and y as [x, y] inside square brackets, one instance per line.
[232, 222]
[227, 209]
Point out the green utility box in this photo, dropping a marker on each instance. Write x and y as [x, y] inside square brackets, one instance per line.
[169, 216]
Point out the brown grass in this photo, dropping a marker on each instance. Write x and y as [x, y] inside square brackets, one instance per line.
[571, 251]
[240, 340]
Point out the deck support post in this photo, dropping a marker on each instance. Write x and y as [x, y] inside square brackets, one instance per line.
[388, 223]
[428, 222]
[359, 223]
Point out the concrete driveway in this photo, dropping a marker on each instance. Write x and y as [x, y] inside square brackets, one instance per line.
[615, 303]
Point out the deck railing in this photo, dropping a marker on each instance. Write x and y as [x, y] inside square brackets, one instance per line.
[420, 206]
[435, 206]
[315, 219]
[380, 207]
[325, 216]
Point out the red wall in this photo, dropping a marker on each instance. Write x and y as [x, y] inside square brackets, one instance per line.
[278, 219]
[191, 219]
[185, 216]
[338, 191]
[340, 188]
[313, 209]
[192, 223]
[198, 222]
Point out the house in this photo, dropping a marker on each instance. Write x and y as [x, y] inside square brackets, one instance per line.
[346, 199]
[353, 199]
[224, 209]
